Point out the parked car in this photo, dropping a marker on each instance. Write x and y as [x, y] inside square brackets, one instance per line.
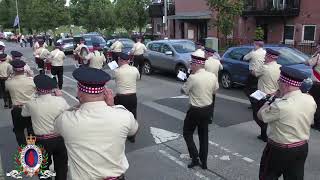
[66, 44]
[1, 35]
[169, 55]
[89, 40]
[236, 70]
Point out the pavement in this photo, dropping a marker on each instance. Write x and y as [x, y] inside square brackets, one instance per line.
[160, 152]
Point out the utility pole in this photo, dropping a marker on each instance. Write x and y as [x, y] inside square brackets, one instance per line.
[18, 16]
[165, 18]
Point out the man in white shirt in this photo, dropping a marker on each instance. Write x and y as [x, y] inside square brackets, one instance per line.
[116, 49]
[200, 86]
[126, 80]
[2, 48]
[95, 133]
[256, 60]
[41, 55]
[96, 59]
[77, 52]
[57, 58]
[138, 50]
[5, 70]
[43, 111]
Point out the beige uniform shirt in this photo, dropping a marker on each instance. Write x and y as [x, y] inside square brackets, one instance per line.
[289, 118]
[57, 57]
[42, 53]
[36, 46]
[255, 58]
[97, 59]
[116, 46]
[126, 79]
[95, 137]
[5, 69]
[78, 49]
[9, 58]
[21, 89]
[201, 86]
[138, 49]
[315, 61]
[268, 76]
[43, 111]
[213, 65]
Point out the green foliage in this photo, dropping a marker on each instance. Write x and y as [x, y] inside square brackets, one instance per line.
[131, 13]
[259, 33]
[226, 12]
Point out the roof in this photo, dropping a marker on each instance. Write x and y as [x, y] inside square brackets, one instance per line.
[192, 15]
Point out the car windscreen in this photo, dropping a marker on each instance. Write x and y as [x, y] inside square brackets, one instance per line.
[68, 41]
[289, 56]
[184, 46]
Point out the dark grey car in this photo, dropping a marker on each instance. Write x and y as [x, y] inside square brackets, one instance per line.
[169, 55]
[66, 44]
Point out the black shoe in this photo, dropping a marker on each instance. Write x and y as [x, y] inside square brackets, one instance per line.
[131, 139]
[204, 166]
[263, 138]
[194, 163]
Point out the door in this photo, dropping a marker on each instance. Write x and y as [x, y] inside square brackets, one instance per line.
[154, 54]
[167, 61]
[239, 69]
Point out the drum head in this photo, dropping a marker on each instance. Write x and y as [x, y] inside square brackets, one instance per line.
[84, 52]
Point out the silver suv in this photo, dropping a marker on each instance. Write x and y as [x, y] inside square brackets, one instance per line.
[169, 55]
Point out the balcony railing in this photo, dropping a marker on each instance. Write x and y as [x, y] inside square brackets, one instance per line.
[272, 8]
[156, 8]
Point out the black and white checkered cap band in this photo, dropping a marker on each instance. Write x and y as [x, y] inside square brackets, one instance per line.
[290, 81]
[90, 90]
[19, 69]
[198, 60]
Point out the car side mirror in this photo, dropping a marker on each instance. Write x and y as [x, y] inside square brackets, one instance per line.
[168, 53]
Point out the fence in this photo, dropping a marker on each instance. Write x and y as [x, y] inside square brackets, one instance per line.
[305, 47]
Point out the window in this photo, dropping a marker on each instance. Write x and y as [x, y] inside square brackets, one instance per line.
[237, 54]
[289, 32]
[184, 46]
[165, 48]
[158, 28]
[155, 47]
[309, 33]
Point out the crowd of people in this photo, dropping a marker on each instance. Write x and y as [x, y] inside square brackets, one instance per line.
[78, 134]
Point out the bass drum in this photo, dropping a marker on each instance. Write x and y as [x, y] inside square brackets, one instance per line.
[83, 53]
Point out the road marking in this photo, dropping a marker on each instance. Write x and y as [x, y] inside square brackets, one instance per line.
[248, 159]
[177, 161]
[71, 79]
[166, 110]
[162, 136]
[222, 96]
[225, 158]
[71, 96]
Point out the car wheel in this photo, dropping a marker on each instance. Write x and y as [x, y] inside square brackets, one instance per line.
[147, 69]
[226, 80]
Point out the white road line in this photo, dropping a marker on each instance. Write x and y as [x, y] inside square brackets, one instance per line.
[166, 110]
[248, 159]
[231, 98]
[71, 96]
[177, 161]
[71, 79]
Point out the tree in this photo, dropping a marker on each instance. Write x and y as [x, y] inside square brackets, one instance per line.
[259, 33]
[131, 13]
[93, 15]
[227, 11]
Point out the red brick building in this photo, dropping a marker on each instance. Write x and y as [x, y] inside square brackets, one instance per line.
[296, 21]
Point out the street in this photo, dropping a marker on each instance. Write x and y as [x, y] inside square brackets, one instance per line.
[160, 152]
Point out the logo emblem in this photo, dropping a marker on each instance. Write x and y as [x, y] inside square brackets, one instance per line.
[31, 160]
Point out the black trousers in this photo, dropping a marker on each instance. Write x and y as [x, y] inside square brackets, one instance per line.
[288, 162]
[3, 93]
[55, 147]
[251, 86]
[315, 93]
[20, 124]
[256, 105]
[40, 63]
[138, 62]
[128, 101]
[58, 71]
[197, 118]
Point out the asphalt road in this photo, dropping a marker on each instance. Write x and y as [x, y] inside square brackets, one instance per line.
[160, 152]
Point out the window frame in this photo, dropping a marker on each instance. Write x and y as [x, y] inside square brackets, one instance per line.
[314, 36]
[289, 41]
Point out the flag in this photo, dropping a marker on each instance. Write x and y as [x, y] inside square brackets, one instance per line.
[16, 21]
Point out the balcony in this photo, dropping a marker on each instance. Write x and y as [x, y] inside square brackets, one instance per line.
[284, 8]
[156, 8]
